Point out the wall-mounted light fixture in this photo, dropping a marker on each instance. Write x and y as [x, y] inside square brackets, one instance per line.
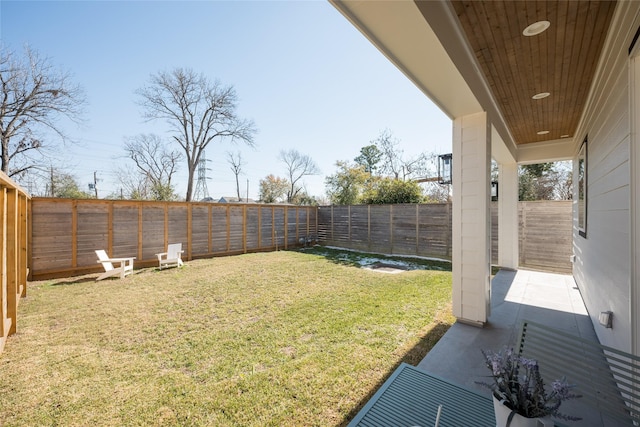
[606, 319]
[445, 170]
[494, 191]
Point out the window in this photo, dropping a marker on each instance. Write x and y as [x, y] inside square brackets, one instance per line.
[582, 189]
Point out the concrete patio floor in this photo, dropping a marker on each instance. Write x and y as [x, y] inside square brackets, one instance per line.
[547, 298]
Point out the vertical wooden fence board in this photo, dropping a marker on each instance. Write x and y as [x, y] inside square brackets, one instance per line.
[5, 322]
[12, 259]
[23, 240]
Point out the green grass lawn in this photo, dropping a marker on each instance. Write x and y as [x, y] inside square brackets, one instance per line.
[267, 339]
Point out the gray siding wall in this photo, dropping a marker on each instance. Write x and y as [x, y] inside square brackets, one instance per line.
[602, 267]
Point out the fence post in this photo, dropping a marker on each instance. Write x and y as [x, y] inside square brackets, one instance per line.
[244, 228]
[391, 227]
[286, 226]
[74, 233]
[189, 230]
[11, 258]
[332, 224]
[140, 235]
[369, 227]
[228, 228]
[417, 229]
[5, 322]
[349, 221]
[259, 227]
[273, 226]
[210, 228]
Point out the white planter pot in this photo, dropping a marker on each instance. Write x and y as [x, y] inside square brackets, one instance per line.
[502, 417]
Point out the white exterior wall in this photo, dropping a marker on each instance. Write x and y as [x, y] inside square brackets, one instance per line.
[602, 267]
[471, 236]
[635, 198]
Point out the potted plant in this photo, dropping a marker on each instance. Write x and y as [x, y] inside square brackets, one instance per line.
[520, 396]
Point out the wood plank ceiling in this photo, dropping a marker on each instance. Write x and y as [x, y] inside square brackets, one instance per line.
[561, 60]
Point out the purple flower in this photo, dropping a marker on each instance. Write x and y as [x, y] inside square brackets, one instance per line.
[529, 363]
[517, 381]
[561, 388]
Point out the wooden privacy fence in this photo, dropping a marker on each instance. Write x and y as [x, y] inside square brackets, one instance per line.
[66, 232]
[403, 229]
[13, 246]
[545, 235]
[545, 231]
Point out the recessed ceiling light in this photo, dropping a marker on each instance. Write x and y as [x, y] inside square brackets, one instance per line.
[536, 28]
[540, 95]
[543, 132]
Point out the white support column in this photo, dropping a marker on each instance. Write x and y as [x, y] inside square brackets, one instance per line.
[471, 218]
[508, 255]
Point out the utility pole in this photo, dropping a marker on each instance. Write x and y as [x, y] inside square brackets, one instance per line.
[94, 185]
[95, 182]
[52, 185]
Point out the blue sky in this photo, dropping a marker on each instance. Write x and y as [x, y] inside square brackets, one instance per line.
[302, 72]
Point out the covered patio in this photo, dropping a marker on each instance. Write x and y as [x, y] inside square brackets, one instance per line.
[547, 298]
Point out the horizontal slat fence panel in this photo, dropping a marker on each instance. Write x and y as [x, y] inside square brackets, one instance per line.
[425, 230]
[67, 232]
[402, 229]
[546, 235]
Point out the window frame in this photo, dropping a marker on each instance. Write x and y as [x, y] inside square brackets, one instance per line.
[582, 187]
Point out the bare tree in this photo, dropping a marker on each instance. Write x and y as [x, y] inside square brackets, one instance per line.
[133, 184]
[236, 164]
[33, 96]
[155, 162]
[298, 166]
[198, 112]
[393, 162]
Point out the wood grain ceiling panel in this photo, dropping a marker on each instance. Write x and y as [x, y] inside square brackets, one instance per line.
[562, 60]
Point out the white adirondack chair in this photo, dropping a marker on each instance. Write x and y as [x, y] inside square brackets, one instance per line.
[124, 268]
[171, 258]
